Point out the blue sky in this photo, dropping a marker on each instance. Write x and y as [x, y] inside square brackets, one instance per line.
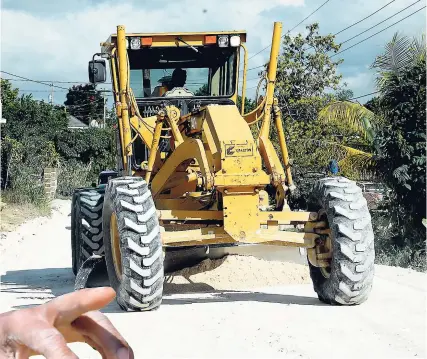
[54, 40]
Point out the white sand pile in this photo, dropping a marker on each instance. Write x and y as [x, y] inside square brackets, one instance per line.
[235, 272]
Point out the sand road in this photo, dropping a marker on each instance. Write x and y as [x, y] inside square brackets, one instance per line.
[242, 307]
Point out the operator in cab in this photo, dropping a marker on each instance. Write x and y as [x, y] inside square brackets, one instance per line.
[176, 87]
[179, 76]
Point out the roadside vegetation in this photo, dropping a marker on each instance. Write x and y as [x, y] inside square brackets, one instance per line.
[381, 141]
[36, 136]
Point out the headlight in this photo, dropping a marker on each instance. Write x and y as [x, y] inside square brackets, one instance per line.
[235, 41]
[135, 43]
[222, 41]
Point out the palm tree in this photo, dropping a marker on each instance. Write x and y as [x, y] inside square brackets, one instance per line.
[358, 157]
[399, 53]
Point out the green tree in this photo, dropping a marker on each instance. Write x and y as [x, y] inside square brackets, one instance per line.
[85, 103]
[249, 104]
[401, 154]
[374, 105]
[202, 91]
[305, 77]
[28, 142]
[304, 68]
[397, 141]
[37, 136]
[344, 94]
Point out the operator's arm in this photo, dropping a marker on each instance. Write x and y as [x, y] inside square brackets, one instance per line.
[46, 329]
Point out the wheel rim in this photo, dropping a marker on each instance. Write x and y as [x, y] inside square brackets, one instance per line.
[115, 246]
[326, 271]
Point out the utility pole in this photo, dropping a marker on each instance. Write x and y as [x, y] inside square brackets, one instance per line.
[105, 107]
[51, 94]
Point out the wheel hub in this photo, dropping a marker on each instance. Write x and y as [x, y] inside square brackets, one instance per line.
[115, 246]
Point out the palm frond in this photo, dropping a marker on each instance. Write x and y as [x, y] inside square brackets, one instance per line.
[400, 53]
[419, 48]
[396, 56]
[356, 116]
[350, 160]
[359, 161]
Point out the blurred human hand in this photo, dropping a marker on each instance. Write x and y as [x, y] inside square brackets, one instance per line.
[46, 329]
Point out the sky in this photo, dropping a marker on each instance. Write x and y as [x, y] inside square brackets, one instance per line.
[54, 39]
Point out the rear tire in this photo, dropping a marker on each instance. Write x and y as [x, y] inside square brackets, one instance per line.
[86, 225]
[74, 234]
[139, 286]
[349, 278]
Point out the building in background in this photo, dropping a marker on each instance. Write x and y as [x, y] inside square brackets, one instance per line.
[75, 124]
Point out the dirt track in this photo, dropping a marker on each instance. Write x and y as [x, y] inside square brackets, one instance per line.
[227, 312]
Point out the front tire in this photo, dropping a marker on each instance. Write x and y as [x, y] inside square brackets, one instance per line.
[349, 279]
[133, 247]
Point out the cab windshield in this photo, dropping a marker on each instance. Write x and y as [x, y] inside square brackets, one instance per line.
[182, 71]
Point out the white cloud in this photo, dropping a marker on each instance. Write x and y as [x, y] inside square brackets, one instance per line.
[55, 42]
[60, 46]
[361, 83]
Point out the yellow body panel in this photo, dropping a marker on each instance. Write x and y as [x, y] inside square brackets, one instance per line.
[190, 149]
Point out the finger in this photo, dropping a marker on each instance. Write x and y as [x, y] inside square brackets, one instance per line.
[46, 341]
[69, 334]
[95, 346]
[66, 308]
[99, 328]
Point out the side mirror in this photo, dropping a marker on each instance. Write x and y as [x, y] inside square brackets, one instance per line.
[97, 71]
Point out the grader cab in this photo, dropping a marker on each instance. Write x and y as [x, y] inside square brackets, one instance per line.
[190, 172]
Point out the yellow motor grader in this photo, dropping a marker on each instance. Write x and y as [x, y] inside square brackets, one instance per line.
[191, 173]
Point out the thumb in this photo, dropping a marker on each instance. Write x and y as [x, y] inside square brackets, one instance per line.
[66, 308]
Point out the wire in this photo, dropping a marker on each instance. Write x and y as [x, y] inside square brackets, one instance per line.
[308, 16]
[39, 82]
[58, 81]
[312, 47]
[348, 27]
[41, 90]
[253, 79]
[257, 67]
[357, 43]
[368, 94]
[367, 17]
[312, 13]
[351, 38]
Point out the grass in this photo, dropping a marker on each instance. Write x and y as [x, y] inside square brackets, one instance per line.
[402, 257]
[13, 214]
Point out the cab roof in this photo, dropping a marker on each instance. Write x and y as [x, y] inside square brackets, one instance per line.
[169, 38]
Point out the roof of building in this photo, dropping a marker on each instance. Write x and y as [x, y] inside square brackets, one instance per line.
[74, 122]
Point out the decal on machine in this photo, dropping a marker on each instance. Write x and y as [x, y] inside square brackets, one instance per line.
[150, 110]
[238, 149]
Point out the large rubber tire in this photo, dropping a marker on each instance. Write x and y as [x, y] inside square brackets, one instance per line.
[141, 285]
[74, 233]
[351, 271]
[86, 225]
